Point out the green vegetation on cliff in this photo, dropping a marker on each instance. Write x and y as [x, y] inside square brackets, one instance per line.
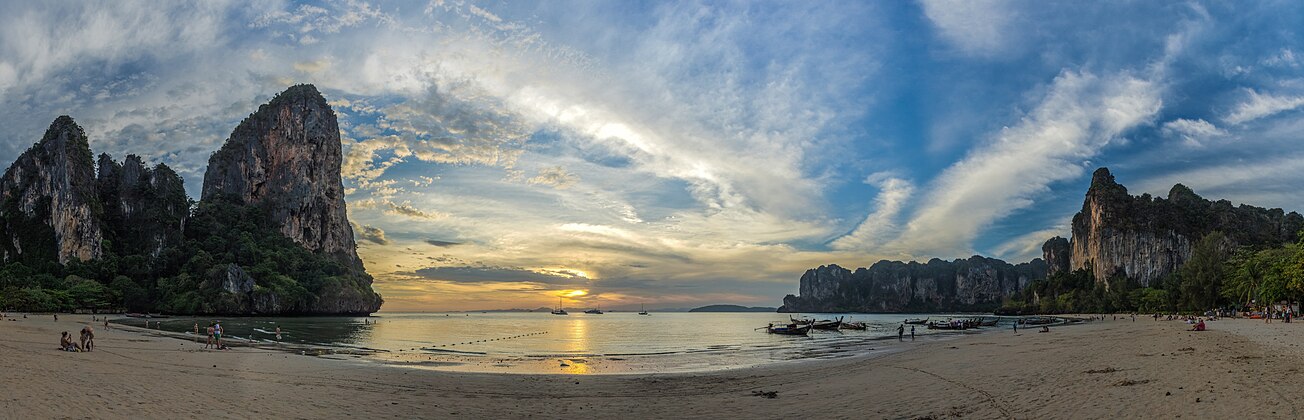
[1216, 276]
[189, 277]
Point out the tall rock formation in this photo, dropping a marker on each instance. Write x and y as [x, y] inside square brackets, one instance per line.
[50, 209]
[145, 209]
[286, 157]
[1146, 238]
[977, 283]
[285, 160]
[1056, 253]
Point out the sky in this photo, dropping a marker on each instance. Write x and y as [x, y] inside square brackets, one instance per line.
[676, 154]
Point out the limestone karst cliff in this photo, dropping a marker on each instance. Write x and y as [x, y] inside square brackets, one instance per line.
[286, 158]
[51, 210]
[270, 236]
[977, 283]
[145, 209]
[1146, 238]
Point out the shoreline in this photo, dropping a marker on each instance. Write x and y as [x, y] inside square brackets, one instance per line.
[588, 364]
[1141, 369]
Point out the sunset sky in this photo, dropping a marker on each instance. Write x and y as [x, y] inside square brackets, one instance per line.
[500, 154]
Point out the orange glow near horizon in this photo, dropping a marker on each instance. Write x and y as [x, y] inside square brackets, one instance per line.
[574, 293]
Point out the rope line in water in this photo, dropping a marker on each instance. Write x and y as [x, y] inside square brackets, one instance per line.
[432, 346]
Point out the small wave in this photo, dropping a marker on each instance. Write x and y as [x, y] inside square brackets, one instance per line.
[655, 353]
[431, 350]
[562, 355]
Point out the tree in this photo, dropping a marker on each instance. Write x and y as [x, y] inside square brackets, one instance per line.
[1202, 274]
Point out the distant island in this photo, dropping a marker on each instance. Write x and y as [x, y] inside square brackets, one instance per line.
[732, 308]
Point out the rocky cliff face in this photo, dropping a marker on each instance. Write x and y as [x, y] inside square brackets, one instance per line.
[977, 283]
[1056, 253]
[286, 157]
[145, 209]
[1146, 238]
[50, 206]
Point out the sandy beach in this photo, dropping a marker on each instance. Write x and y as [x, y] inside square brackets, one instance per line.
[1109, 369]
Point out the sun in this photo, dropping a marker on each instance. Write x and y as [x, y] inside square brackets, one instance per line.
[574, 293]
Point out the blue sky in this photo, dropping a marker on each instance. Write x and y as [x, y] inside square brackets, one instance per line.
[498, 154]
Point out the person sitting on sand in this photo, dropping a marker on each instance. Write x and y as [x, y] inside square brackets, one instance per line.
[66, 344]
[1044, 329]
[87, 338]
[1198, 326]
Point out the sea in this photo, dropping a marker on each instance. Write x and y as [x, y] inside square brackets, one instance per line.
[539, 342]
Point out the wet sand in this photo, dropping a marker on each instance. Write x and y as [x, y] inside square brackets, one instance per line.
[1108, 369]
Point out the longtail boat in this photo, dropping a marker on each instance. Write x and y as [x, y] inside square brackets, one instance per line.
[789, 329]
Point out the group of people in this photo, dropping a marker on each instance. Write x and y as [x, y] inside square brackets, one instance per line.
[214, 336]
[87, 341]
[901, 332]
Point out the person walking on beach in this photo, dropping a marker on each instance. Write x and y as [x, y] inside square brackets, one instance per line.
[901, 332]
[912, 333]
[278, 333]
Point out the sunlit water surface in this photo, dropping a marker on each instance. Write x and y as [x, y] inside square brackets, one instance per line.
[615, 342]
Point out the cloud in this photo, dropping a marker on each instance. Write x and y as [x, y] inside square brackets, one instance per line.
[556, 177]
[1193, 132]
[1257, 105]
[880, 226]
[406, 209]
[314, 66]
[1080, 114]
[978, 27]
[442, 244]
[1027, 246]
[372, 234]
[482, 274]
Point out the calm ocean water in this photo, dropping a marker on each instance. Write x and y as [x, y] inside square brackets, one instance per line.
[615, 342]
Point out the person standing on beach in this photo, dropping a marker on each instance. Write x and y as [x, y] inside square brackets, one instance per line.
[210, 331]
[901, 332]
[278, 333]
[912, 333]
[217, 335]
[87, 338]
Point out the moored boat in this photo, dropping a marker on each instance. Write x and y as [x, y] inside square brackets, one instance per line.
[789, 329]
[858, 325]
[916, 321]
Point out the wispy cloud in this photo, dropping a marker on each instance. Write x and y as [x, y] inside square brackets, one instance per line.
[1193, 132]
[977, 27]
[1080, 114]
[556, 177]
[881, 225]
[1260, 105]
